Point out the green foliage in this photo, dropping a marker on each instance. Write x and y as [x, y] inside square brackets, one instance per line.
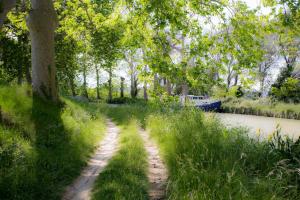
[125, 176]
[125, 100]
[289, 91]
[263, 107]
[43, 147]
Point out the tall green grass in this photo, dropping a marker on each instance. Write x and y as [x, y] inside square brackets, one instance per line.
[208, 161]
[126, 175]
[43, 147]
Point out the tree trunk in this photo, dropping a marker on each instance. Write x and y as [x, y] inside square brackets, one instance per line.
[42, 23]
[236, 79]
[98, 82]
[20, 74]
[184, 89]
[85, 92]
[5, 7]
[145, 91]
[168, 87]
[110, 85]
[122, 87]
[133, 88]
[72, 85]
[155, 84]
[27, 74]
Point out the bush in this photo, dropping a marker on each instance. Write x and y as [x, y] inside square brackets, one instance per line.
[288, 92]
[125, 100]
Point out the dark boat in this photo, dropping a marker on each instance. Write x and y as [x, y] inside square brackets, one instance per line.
[203, 103]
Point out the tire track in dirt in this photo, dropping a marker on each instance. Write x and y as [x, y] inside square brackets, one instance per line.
[157, 171]
[82, 186]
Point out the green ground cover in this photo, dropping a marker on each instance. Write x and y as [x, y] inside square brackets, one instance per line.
[43, 147]
[208, 161]
[126, 175]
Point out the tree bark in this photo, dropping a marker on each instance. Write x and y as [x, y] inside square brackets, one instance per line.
[236, 79]
[72, 85]
[122, 87]
[98, 82]
[168, 87]
[20, 74]
[85, 92]
[145, 91]
[42, 23]
[155, 84]
[5, 7]
[110, 85]
[184, 89]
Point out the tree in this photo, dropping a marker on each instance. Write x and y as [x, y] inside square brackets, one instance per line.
[239, 44]
[42, 23]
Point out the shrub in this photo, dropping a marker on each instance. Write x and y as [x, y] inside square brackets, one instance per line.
[288, 92]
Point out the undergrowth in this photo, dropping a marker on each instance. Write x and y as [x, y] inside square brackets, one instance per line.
[43, 146]
[208, 161]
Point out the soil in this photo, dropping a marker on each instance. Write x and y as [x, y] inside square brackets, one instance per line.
[82, 186]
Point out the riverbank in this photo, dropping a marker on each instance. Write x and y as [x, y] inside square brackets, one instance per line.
[260, 126]
[261, 107]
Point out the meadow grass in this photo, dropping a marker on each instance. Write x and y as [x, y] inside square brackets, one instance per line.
[207, 161]
[125, 177]
[263, 107]
[43, 146]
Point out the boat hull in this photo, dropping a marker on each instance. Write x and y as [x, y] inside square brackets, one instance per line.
[212, 106]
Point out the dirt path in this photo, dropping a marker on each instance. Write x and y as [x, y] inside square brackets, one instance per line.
[82, 186]
[158, 174]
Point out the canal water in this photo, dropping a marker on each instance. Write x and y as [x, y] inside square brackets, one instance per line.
[266, 125]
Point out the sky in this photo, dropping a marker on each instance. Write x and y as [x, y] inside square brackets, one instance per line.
[253, 3]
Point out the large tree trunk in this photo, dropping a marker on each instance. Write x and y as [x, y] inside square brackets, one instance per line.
[42, 23]
[5, 7]
[98, 82]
